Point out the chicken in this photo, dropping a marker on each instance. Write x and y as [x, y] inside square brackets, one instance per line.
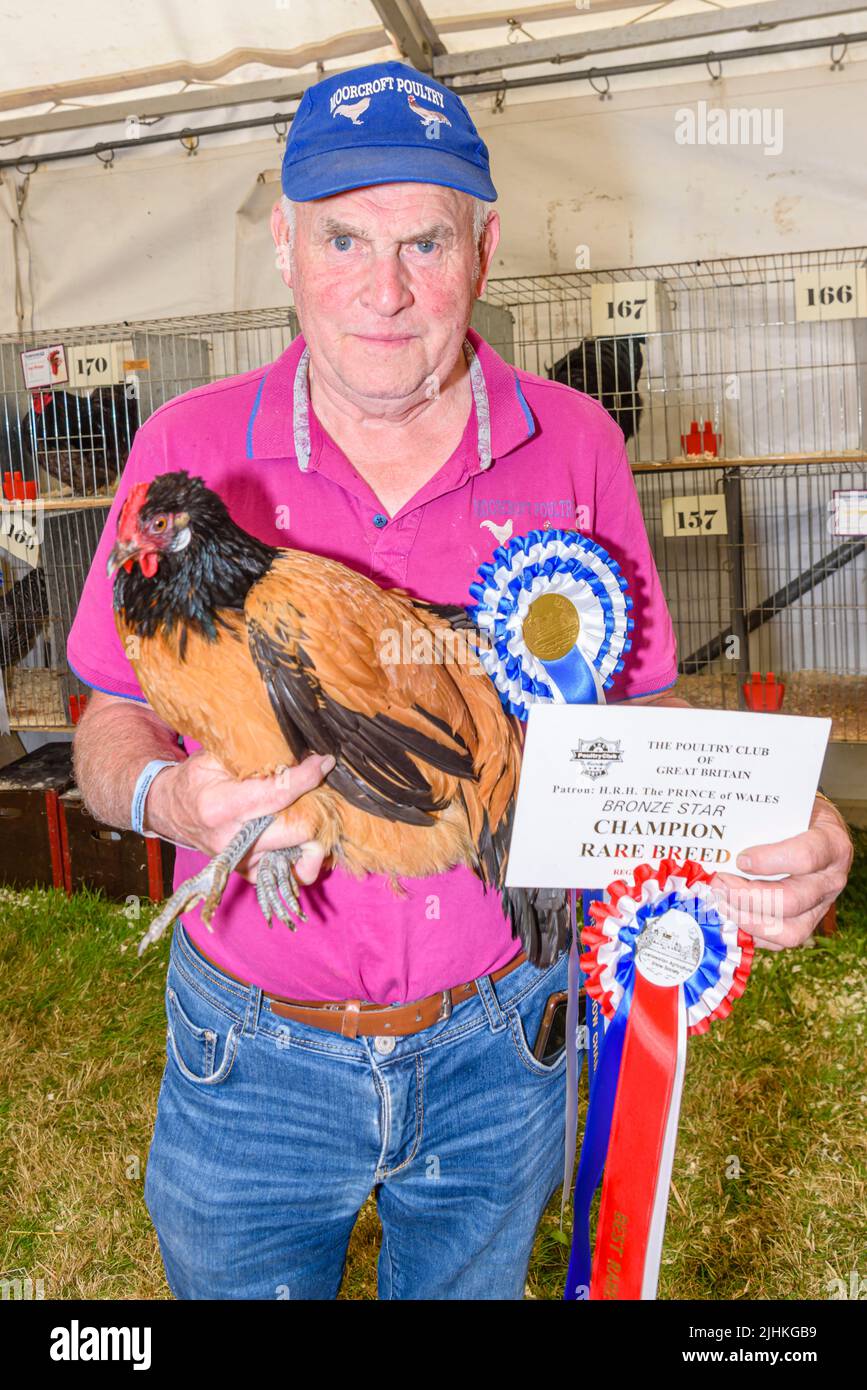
[608, 369]
[264, 654]
[23, 611]
[427, 114]
[353, 112]
[83, 441]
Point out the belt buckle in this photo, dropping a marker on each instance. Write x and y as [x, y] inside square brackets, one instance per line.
[445, 1007]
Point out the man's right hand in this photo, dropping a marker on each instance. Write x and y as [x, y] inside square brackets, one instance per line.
[199, 804]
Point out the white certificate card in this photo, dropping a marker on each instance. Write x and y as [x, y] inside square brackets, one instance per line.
[605, 788]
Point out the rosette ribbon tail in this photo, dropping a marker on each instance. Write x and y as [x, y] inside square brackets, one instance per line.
[662, 963]
[595, 1146]
[641, 1149]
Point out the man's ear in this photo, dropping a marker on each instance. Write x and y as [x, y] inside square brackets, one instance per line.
[281, 242]
[488, 244]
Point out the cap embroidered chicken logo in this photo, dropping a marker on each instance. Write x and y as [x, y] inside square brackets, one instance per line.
[263, 655]
[353, 112]
[426, 113]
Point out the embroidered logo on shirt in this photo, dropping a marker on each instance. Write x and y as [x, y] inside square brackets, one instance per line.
[502, 533]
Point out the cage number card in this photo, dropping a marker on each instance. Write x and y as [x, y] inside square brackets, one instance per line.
[605, 788]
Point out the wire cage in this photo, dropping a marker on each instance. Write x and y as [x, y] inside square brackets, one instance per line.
[66, 438]
[746, 359]
[63, 444]
[741, 389]
[37, 607]
[778, 594]
[745, 421]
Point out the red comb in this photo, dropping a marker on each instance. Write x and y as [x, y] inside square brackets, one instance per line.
[127, 526]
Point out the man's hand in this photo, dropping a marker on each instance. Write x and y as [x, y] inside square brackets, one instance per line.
[785, 913]
[199, 804]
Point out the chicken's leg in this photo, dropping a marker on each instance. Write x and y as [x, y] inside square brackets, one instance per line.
[209, 883]
[275, 875]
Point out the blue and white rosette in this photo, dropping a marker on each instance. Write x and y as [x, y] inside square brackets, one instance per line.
[563, 568]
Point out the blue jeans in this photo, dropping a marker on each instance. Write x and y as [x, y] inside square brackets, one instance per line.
[271, 1134]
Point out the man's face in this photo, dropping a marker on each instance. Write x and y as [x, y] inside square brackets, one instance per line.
[385, 280]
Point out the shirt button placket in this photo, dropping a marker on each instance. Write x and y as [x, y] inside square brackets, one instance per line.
[390, 553]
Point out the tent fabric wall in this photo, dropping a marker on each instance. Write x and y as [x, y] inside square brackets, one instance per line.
[169, 233]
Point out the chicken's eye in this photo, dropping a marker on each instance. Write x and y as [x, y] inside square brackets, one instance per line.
[159, 523]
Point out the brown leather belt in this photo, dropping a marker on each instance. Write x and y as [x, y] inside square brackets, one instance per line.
[350, 1017]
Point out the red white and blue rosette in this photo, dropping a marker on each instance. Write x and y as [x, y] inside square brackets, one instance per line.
[663, 963]
[555, 610]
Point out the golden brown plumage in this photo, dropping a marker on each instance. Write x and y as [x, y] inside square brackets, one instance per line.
[263, 654]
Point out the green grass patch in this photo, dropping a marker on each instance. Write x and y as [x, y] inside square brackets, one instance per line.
[768, 1190]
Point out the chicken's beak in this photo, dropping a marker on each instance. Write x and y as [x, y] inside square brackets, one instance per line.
[123, 555]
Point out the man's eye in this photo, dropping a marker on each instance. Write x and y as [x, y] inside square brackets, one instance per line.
[342, 243]
[426, 247]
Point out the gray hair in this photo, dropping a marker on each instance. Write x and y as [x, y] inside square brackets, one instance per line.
[481, 213]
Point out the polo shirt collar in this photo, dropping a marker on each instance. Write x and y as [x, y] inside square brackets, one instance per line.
[278, 426]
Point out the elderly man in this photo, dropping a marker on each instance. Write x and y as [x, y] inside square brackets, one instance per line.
[388, 1045]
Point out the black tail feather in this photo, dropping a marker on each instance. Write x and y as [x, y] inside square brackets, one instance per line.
[540, 919]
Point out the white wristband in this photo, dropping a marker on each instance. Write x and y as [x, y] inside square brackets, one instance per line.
[139, 796]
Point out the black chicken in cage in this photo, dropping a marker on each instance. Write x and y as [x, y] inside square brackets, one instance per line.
[23, 612]
[608, 369]
[82, 442]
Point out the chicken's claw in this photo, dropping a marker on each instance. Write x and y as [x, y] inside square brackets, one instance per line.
[208, 884]
[275, 876]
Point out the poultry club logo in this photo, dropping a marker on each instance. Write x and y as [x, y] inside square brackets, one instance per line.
[596, 755]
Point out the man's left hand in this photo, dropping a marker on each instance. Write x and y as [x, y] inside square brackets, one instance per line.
[786, 912]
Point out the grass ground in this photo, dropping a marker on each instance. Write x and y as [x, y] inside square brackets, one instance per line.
[768, 1191]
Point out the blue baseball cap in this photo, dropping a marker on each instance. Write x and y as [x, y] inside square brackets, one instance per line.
[386, 123]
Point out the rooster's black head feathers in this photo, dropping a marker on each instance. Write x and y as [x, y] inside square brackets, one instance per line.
[179, 556]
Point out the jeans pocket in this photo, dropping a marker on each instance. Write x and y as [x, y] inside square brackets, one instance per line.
[525, 1019]
[203, 1051]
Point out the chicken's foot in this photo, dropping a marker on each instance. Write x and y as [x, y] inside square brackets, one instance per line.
[209, 883]
[275, 875]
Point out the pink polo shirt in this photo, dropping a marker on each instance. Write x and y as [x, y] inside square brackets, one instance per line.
[556, 459]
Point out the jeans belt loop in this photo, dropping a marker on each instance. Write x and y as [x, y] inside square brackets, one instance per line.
[488, 995]
[251, 1014]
